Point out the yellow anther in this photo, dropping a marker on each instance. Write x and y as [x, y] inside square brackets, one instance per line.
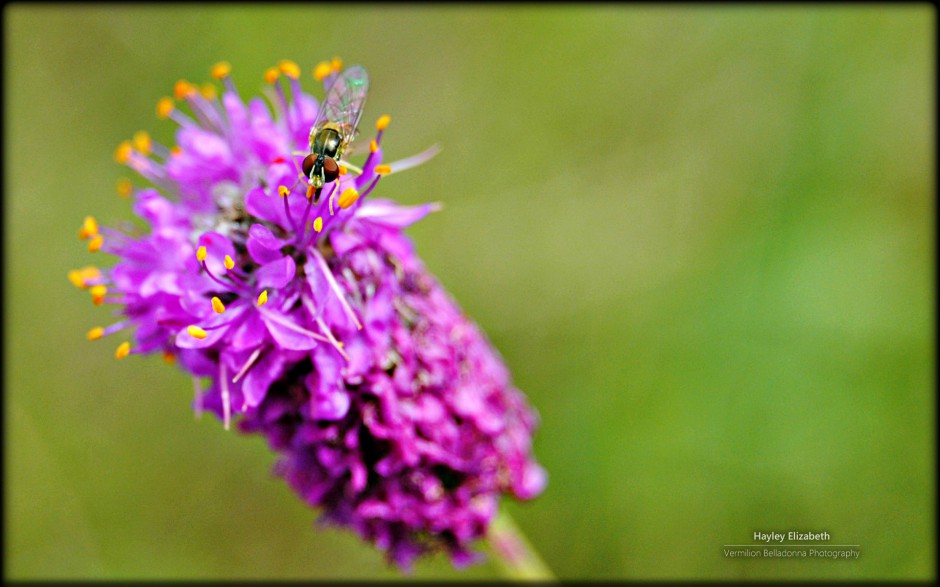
[123, 152]
[263, 298]
[208, 91]
[289, 68]
[196, 332]
[229, 263]
[382, 122]
[201, 254]
[283, 191]
[218, 306]
[183, 89]
[95, 333]
[97, 294]
[90, 225]
[383, 169]
[221, 69]
[75, 276]
[336, 64]
[81, 277]
[176, 151]
[124, 187]
[94, 245]
[373, 146]
[318, 224]
[89, 228]
[165, 107]
[348, 198]
[343, 170]
[322, 70]
[169, 358]
[123, 350]
[311, 191]
[142, 142]
[271, 74]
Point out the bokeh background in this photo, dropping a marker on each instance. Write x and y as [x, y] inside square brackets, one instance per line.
[700, 237]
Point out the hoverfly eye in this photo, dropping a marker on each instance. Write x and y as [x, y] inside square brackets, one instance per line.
[330, 169]
[307, 165]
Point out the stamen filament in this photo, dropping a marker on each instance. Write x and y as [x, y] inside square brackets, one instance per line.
[308, 238]
[302, 233]
[275, 317]
[336, 344]
[251, 361]
[324, 268]
[371, 186]
[226, 399]
[237, 283]
[415, 160]
[290, 217]
[279, 90]
[99, 332]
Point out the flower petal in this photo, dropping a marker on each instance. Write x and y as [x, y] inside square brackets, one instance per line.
[276, 274]
[250, 333]
[285, 336]
[259, 378]
[263, 246]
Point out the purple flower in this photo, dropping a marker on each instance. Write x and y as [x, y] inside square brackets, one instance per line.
[313, 322]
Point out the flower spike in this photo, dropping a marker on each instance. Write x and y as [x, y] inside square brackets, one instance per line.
[312, 321]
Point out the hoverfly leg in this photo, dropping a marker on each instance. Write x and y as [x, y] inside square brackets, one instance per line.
[300, 173]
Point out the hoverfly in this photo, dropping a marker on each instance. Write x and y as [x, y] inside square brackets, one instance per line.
[335, 127]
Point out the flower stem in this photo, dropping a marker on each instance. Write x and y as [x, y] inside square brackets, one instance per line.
[516, 557]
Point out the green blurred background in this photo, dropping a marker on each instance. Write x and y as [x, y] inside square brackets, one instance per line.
[700, 237]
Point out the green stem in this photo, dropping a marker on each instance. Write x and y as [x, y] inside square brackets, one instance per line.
[516, 557]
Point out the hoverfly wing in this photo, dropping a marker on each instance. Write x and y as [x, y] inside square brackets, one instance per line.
[344, 101]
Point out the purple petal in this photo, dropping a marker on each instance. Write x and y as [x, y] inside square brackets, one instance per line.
[263, 246]
[276, 274]
[154, 208]
[284, 336]
[262, 205]
[259, 378]
[250, 332]
[331, 406]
